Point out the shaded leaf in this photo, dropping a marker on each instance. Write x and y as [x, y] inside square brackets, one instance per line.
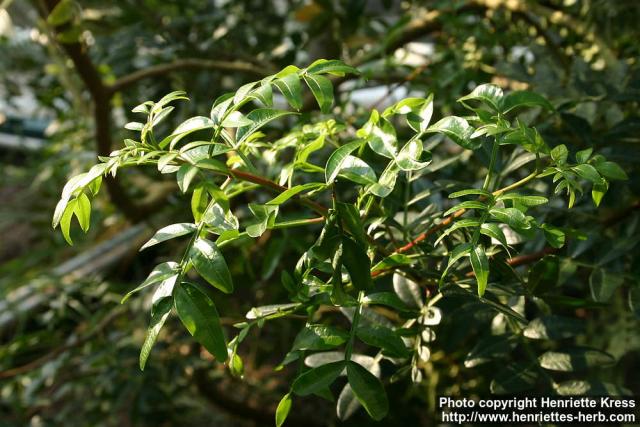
[319, 337]
[553, 327]
[368, 390]
[210, 264]
[480, 265]
[317, 379]
[159, 314]
[199, 315]
[358, 264]
[577, 359]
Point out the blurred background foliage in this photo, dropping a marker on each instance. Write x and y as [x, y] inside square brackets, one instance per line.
[69, 350]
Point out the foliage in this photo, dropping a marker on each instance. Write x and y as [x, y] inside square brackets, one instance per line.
[341, 268]
[571, 273]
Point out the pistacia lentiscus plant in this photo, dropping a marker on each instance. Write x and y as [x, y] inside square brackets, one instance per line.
[387, 284]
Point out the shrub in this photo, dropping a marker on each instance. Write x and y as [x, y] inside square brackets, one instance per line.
[387, 255]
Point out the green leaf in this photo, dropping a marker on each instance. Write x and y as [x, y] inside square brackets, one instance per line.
[409, 156]
[210, 264]
[511, 216]
[62, 13]
[494, 231]
[388, 299]
[470, 191]
[358, 264]
[236, 119]
[553, 327]
[368, 390]
[395, 260]
[163, 114]
[160, 272]
[424, 115]
[462, 223]
[578, 359]
[588, 172]
[404, 106]
[243, 92]
[61, 206]
[220, 107]
[358, 171]
[554, 236]
[603, 284]
[266, 216]
[212, 164]
[82, 211]
[290, 88]
[337, 159]
[387, 181]
[165, 160]
[259, 118]
[170, 97]
[489, 349]
[523, 199]
[384, 338]
[480, 265]
[319, 337]
[282, 411]
[65, 220]
[159, 314]
[322, 90]
[308, 148]
[582, 156]
[317, 379]
[489, 94]
[334, 66]
[350, 217]
[264, 94]
[187, 127]
[219, 220]
[170, 232]
[185, 175]
[469, 204]
[380, 135]
[598, 191]
[135, 126]
[199, 315]
[559, 154]
[291, 192]
[524, 98]
[611, 170]
[458, 252]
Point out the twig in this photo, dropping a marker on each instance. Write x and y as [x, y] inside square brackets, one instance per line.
[185, 64]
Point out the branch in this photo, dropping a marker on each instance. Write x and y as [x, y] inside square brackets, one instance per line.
[185, 64]
[264, 182]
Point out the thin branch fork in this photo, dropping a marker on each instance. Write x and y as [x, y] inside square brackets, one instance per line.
[186, 64]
